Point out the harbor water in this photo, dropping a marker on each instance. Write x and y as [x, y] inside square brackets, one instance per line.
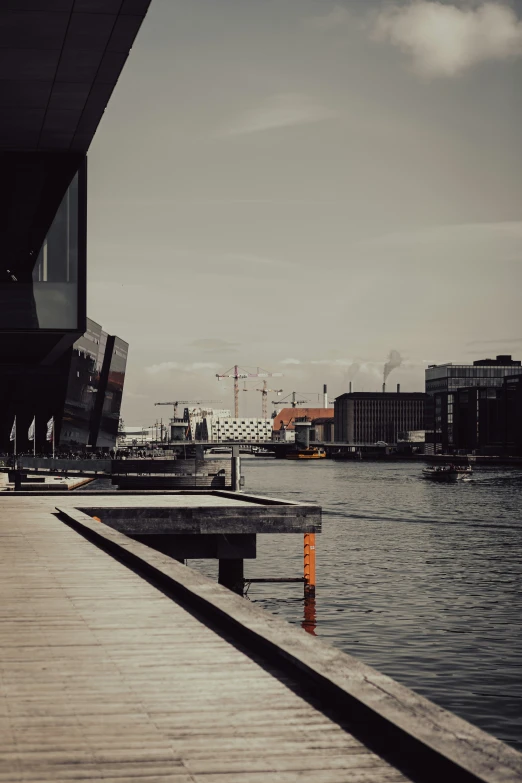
[421, 580]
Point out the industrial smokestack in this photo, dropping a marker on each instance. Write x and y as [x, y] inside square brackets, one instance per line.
[398, 388]
[325, 396]
[384, 388]
[350, 387]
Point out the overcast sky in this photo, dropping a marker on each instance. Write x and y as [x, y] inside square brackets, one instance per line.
[305, 185]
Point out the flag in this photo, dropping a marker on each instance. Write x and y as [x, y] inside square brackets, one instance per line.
[30, 434]
[12, 436]
[50, 427]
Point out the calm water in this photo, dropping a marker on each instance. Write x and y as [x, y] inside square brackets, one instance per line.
[421, 580]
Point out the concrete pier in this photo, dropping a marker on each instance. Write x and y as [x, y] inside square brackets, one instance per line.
[118, 663]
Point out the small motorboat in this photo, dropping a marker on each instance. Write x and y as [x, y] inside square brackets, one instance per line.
[312, 452]
[448, 473]
[264, 454]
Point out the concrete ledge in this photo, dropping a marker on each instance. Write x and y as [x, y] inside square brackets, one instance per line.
[418, 737]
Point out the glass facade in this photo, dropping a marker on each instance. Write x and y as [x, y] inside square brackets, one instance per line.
[42, 268]
[55, 274]
[95, 390]
[444, 381]
[83, 386]
[113, 393]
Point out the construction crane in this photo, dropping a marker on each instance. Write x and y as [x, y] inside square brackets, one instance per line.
[264, 399]
[185, 402]
[293, 402]
[239, 373]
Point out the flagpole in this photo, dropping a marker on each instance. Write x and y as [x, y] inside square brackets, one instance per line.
[53, 437]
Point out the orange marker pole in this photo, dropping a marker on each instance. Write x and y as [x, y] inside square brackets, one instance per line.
[309, 565]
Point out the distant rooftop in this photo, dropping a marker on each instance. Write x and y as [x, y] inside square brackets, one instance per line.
[287, 416]
[502, 360]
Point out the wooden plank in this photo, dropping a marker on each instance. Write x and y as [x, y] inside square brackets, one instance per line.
[384, 710]
[105, 678]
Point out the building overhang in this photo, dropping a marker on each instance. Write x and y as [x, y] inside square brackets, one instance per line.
[59, 63]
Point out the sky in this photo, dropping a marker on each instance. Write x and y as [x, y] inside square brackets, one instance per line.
[305, 186]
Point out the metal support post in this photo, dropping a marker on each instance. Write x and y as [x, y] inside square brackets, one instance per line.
[309, 565]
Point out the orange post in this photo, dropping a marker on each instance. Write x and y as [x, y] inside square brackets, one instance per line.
[309, 565]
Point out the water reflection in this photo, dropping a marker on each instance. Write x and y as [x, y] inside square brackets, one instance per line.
[309, 616]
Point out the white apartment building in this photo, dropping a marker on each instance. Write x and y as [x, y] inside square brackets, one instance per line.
[229, 430]
[198, 415]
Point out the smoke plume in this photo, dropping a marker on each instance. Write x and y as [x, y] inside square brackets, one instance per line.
[394, 361]
[352, 371]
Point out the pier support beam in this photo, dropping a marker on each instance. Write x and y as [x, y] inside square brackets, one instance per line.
[231, 575]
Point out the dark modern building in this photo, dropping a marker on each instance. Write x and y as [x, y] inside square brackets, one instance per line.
[322, 429]
[92, 406]
[59, 63]
[472, 407]
[369, 417]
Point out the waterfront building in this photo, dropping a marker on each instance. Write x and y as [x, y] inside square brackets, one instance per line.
[370, 417]
[135, 437]
[197, 429]
[92, 408]
[322, 429]
[61, 66]
[467, 405]
[488, 420]
[229, 430]
[283, 421]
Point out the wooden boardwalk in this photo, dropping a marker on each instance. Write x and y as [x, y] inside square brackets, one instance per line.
[103, 677]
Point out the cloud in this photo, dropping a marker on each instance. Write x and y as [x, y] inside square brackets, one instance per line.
[211, 345]
[444, 40]
[280, 111]
[350, 366]
[163, 367]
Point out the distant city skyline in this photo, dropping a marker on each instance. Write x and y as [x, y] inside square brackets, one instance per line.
[307, 185]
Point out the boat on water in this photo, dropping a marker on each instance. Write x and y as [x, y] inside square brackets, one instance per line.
[312, 452]
[447, 473]
[264, 454]
[220, 450]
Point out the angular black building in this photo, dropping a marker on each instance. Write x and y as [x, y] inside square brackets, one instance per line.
[94, 393]
[59, 62]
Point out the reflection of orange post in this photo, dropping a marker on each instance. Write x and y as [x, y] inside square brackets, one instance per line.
[309, 565]
[309, 620]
